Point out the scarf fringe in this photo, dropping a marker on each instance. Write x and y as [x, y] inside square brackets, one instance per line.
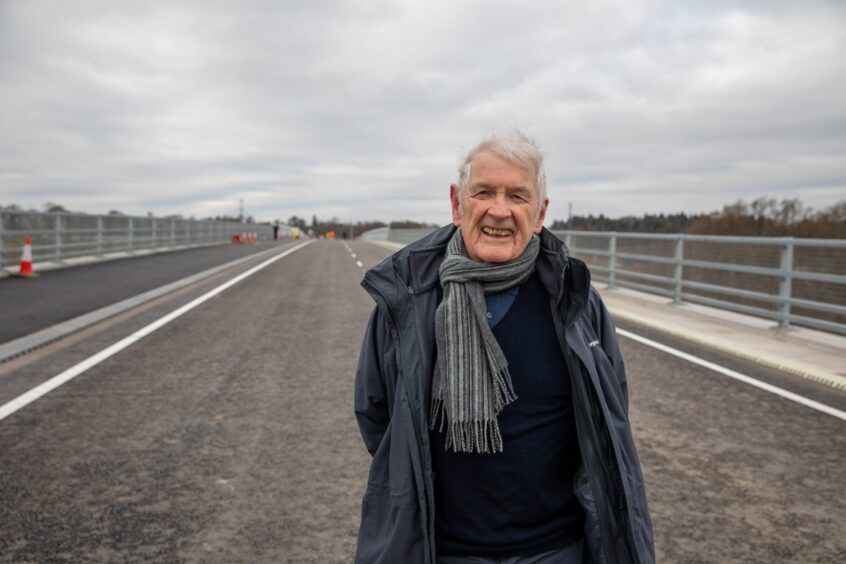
[503, 389]
[482, 437]
[474, 436]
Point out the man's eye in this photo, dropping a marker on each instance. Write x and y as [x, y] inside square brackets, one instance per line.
[483, 193]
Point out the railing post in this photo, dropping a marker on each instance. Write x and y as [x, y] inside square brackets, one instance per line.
[153, 233]
[131, 235]
[678, 259]
[99, 235]
[612, 258]
[568, 240]
[2, 237]
[785, 283]
[57, 241]
[172, 233]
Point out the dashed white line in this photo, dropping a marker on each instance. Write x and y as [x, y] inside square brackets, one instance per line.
[45, 388]
[358, 262]
[736, 375]
[352, 255]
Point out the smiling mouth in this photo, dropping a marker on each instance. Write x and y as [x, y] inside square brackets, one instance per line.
[497, 233]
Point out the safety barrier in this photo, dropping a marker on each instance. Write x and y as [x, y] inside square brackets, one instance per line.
[60, 236]
[791, 281]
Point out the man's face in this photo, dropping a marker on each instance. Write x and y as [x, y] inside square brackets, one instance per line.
[497, 209]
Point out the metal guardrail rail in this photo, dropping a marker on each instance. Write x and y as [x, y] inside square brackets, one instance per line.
[60, 236]
[788, 280]
[791, 281]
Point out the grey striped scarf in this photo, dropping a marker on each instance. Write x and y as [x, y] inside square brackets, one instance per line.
[471, 384]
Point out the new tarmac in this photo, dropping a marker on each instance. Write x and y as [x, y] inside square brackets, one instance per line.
[227, 433]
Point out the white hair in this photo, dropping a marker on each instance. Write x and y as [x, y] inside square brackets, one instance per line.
[514, 146]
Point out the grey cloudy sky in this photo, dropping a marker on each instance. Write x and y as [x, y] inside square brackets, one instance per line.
[359, 109]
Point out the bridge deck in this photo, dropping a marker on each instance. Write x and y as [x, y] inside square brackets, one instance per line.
[228, 435]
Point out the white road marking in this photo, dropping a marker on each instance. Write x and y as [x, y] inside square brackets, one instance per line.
[736, 375]
[347, 246]
[352, 255]
[43, 389]
[358, 262]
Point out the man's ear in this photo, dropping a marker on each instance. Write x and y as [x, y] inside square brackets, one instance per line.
[541, 216]
[456, 205]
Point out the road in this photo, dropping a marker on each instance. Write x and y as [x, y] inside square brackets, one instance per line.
[228, 436]
[29, 305]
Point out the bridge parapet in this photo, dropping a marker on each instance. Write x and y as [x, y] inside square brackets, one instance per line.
[791, 281]
[59, 236]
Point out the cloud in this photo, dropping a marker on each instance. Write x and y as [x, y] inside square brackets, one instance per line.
[360, 109]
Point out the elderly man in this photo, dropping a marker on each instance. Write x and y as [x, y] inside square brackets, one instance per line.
[490, 390]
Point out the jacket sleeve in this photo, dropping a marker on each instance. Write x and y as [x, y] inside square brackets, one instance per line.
[374, 382]
[603, 325]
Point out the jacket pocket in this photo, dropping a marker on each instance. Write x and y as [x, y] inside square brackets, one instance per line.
[593, 534]
[390, 528]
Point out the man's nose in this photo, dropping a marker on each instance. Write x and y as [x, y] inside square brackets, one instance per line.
[499, 209]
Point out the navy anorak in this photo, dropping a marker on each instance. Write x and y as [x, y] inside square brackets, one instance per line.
[392, 398]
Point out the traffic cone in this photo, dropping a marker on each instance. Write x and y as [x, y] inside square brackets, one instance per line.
[26, 260]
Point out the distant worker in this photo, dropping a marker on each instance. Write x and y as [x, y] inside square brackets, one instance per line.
[490, 390]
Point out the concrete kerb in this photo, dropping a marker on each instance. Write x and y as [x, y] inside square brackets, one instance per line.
[390, 245]
[747, 353]
[33, 341]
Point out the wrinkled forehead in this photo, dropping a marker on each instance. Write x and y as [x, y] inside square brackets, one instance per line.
[487, 166]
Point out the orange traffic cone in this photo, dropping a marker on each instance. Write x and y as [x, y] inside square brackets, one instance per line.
[26, 260]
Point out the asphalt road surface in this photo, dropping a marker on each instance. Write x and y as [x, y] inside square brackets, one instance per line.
[27, 305]
[228, 436]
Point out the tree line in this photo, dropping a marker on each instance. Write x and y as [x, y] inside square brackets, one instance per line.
[763, 217]
[347, 229]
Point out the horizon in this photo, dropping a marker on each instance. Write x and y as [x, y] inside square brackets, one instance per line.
[307, 218]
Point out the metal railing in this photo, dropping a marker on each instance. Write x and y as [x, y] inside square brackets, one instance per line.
[394, 235]
[790, 281]
[378, 234]
[60, 236]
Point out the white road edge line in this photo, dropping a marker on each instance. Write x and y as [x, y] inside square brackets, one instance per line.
[736, 375]
[44, 388]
